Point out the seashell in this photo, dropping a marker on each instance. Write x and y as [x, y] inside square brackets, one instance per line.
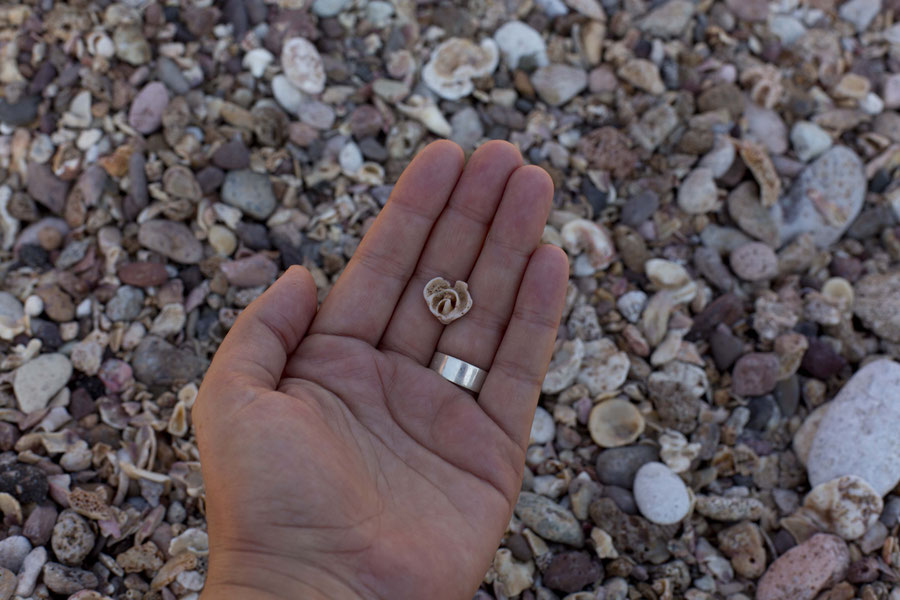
[447, 303]
[581, 235]
[615, 422]
[456, 62]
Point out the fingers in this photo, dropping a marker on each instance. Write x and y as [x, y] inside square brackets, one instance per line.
[513, 385]
[495, 280]
[453, 247]
[268, 331]
[364, 297]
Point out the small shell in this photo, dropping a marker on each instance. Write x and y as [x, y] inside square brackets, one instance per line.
[846, 506]
[615, 422]
[447, 303]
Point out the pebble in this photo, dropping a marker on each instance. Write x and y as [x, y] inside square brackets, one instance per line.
[632, 534]
[19, 113]
[126, 304]
[222, 240]
[860, 12]
[317, 114]
[72, 538]
[806, 569]
[809, 140]
[571, 572]
[877, 304]
[287, 96]
[825, 198]
[68, 580]
[251, 271]
[846, 506]
[467, 127]
[38, 380]
[618, 466]
[729, 508]
[891, 92]
[549, 520]
[676, 391]
[45, 187]
[511, 576]
[697, 194]
[743, 544]
[660, 494]
[131, 46]
[143, 274]
[256, 61]
[8, 584]
[749, 10]
[764, 125]
[233, 154]
[754, 262]
[821, 360]
[303, 65]
[867, 411]
[668, 19]
[747, 211]
[147, 108]
[171, 239]
[31, 570]
[642, 74]
[12, 314]
[518, 41]
[249, 191]
[13, 551]
[755, 374]
[157, 362]
[556, 84]
[543, 429]
[39, 524]
[170, 74]
[615, 422]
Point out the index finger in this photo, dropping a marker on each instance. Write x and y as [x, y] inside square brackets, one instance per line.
[363, 299]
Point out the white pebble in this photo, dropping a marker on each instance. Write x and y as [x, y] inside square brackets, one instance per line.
[302, 65]
[809, 140]
[288, 96]
[84, 308]
[542, 428]
[350, 158]
[257, 60]
[34, 305]
[660, 494]
[517, 40]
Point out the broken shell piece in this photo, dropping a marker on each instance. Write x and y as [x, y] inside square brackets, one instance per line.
[846, 506]
[456, 62]
[564, 367]
[615, 422]
[583, 236]
[447, 303]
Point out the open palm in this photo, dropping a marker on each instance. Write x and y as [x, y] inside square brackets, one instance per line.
[337, 465]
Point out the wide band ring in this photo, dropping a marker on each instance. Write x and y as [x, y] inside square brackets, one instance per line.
[458, 371]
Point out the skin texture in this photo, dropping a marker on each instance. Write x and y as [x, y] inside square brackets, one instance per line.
[336, 464]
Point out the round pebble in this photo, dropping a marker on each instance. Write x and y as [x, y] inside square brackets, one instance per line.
[754, 262]
[660, 494]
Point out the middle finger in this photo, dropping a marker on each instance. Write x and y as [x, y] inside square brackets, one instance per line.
[453, 247]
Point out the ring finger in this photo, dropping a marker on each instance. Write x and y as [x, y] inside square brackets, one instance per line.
[495, 279]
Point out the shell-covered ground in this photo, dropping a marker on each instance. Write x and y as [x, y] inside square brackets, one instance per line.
[720, 418]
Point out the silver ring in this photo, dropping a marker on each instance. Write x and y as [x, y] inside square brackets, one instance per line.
[458, 371]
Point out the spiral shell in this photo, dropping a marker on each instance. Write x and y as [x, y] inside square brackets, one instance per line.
[447, 303]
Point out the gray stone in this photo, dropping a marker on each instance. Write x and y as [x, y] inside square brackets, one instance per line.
[866, 411]
[72, 538]
[38, 380]
[669, 19]
[157, 362]
[556, 84]
[877, 304]
[172, 239]
[21, 112]
[170, 74]
[617, 466]
[13, 551]
[860, 12]
[68, 580]
[47, 188]
[249, 191]
[148, 106]
[467, 128]
[549, 520]
[825, 198]
[126, 305]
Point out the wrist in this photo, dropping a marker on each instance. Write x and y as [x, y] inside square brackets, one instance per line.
[249, 576]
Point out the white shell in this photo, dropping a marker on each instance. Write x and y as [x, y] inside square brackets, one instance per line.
[447, 303]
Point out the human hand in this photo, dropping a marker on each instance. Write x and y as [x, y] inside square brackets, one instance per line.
[336, 463]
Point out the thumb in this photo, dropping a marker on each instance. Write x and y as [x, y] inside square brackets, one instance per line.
[268, 331]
